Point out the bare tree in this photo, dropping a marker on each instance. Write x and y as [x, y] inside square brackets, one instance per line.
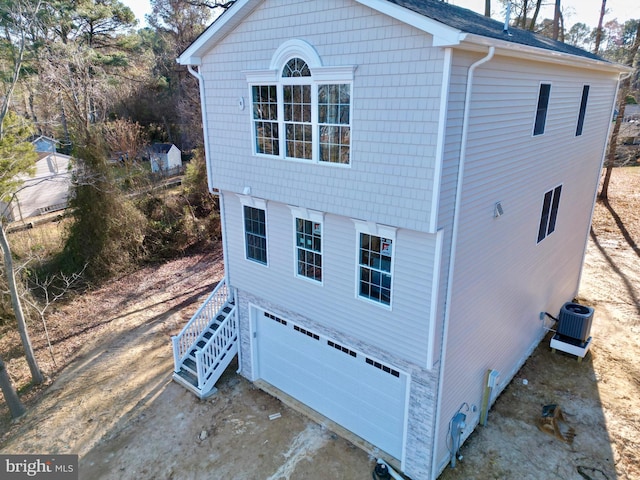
[622, 102]
[36, 374]
[603, 10]
[556, 20]
[17, 20]
[16, 409]
[487, 8]
[124, 137]
[49, 290]
[534, 17]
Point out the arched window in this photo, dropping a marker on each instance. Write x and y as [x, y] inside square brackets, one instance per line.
[301, 109]
[296, 97]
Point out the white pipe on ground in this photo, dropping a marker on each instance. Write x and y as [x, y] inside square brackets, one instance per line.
[392, 472]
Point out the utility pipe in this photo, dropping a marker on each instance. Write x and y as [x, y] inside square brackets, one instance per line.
[205, 123]
[452, 253]
[392, 472]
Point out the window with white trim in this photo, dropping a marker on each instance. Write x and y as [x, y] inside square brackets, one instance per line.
[308, 227]
[265, 119]
[375, 262]
[255, 232]
[549, 213]
[309, 249]
[302, 110]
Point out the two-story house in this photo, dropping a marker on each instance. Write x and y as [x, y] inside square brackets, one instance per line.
[405, 189]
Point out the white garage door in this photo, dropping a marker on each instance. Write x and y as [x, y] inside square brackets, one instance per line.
[355, 391]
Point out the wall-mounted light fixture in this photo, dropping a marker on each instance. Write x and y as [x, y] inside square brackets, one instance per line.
[497, 210]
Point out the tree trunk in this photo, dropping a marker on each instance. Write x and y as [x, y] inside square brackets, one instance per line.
[556, 21]
[487, 8]
[36, 374]
[596, 48]
[532, 25]
[10, 396]
[525, 9]
[623, 91]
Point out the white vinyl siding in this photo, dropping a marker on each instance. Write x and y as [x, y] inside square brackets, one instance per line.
[501, 275]
[334, 305]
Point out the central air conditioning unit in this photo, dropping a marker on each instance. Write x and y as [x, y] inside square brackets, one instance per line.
[575, 321]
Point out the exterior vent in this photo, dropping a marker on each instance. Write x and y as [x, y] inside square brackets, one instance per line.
[575, 321]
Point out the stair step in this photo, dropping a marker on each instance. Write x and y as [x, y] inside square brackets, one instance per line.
[190, 365]
[189, 377]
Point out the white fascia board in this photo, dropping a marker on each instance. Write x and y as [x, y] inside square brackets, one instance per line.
[509, 49]
[443, 35]
[216, 31]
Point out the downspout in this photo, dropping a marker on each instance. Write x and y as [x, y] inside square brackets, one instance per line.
[621, 78]
[205, 125]
[452, 253]
[207, 159]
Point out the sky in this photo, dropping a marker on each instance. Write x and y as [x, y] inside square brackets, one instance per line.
[585, 11]
[140, 9]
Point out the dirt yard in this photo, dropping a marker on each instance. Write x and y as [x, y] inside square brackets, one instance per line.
[112, 402]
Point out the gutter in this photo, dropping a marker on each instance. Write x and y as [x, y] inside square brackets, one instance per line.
[478, 43]
[452, 253]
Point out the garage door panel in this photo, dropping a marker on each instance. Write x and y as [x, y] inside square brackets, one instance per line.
[343, 385]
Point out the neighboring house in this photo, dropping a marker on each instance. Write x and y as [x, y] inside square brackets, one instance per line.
[405, 189]
[45, 144]
[47, 190]
[165, 157]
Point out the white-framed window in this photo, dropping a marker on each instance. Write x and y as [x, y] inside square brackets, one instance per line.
[541, 110]
[254, 217]
[308, 228]
[300, 109]
[549, 213]
[375, 253]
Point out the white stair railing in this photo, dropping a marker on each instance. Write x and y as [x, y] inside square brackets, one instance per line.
[215, 356]
[193, 330]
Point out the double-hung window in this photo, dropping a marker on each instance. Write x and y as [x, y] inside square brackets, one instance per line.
[309, 249]
[265, 119]
[549, 213]
[308, 243]
[301, 110]
[375, 262]
[255, 234]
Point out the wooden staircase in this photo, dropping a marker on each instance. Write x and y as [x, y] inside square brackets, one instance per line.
[208, 343]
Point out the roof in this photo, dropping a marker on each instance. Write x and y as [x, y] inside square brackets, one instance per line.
[162, 147]
[469, 21]
[450, 26]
